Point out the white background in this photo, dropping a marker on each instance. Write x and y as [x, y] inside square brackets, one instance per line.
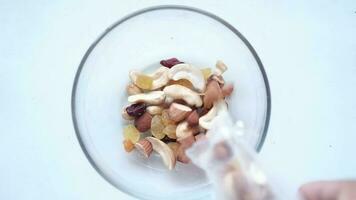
[308, 50]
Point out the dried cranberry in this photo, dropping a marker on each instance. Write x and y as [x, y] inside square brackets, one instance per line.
[170, 62]
[136, 110]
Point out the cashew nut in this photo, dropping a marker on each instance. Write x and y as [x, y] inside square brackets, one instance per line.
[164, 151]
[183, 130]
[220, 68]
[154, 110]
[205, 121]
[190, 73]
[168, 100]
[154, 97]
[160, 77]
[180, 92]
[133, 89]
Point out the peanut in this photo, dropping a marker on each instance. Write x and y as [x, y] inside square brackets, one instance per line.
[193, 118]
[212, 94]
[227, 90]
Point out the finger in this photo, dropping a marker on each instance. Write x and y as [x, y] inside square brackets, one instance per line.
[322, 190]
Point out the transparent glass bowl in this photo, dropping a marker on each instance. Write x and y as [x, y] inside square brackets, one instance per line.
[141, 40]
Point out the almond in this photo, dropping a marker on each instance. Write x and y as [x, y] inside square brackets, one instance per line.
[181, 156]
[193, 118]
[227, 90]
[143, 123]
[213, 93]
[145, 147]
[177, 112]
[187, 142]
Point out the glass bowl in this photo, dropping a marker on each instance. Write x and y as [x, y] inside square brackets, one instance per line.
[141, 40]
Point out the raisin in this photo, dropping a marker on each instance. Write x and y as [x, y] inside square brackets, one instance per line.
[136, 110]
[182, 82]
[157, 127]
[144, 82]
[206, 73]
[170, 62]
[166, 119]
[128, 145]
[170, 131]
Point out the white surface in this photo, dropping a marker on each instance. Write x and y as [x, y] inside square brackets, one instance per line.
[308, 49]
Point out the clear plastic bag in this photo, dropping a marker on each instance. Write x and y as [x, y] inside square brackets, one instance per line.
[230, 162]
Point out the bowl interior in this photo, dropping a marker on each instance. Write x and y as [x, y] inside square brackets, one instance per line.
[140, 41]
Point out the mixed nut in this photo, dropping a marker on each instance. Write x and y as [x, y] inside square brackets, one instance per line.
[173, 107]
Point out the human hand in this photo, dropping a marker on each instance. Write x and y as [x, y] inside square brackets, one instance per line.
[329, 190]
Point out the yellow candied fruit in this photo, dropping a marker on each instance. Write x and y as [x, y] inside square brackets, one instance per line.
[157, 127]
[166, 119]
[182, 82]
[131, 133]
[207, 72]
[144, 82]
[170, 131]
[174, 146]
[128, 145]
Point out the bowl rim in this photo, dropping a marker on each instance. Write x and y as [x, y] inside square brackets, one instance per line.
[262, 137]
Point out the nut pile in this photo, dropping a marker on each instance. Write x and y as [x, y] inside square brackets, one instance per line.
[172, 108]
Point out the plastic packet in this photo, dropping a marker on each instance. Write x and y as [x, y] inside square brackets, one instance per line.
[230, 162]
